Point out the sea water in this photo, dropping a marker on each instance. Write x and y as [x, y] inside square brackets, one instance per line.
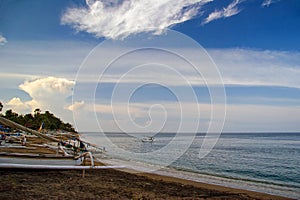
[263, 162]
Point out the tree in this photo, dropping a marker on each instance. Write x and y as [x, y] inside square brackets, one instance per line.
[1, 106]
[28, 120]
[9, 114]
[37, 111]
[34, 121]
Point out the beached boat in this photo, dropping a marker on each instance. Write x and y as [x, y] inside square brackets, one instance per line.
[35, 150]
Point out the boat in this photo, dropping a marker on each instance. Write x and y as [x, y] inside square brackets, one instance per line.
[148, 139]
[35, 150]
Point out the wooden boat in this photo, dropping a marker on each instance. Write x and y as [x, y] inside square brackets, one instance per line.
[30, 151]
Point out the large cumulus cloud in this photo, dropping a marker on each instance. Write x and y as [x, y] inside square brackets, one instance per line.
[47, 93]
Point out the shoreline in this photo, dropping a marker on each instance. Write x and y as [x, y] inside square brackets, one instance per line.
[16, 178]
[112, 184]
[126, 183]
[198, 178]
[252, 194]
[137, 181]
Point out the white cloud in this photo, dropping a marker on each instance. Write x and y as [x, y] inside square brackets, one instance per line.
[43, 58]
[238, 117]
[229, 11]
[119, 19]
[138, 116]
[255, 67]
[267, 3]
[76, 106]
[2, 40]
[237, 66]
[44, 88]
[17, 105]
[248, 67]
[48, 93]
[15, 101]
[262, 118]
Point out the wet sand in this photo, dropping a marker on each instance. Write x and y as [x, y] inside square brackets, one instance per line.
[110, 184]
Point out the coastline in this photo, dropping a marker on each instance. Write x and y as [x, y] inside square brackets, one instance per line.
[126, 183]
[111, 184]
[239, 192]
[136, 181]
[256, 167]
[197, 178]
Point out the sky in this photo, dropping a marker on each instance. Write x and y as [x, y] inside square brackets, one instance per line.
[154, 65]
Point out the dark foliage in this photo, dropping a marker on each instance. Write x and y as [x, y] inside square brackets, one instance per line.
[34, 121]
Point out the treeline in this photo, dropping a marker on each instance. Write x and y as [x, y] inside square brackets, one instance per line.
[34, 121]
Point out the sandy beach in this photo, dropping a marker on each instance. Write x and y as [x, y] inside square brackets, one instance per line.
[98, 184]
[110, 184]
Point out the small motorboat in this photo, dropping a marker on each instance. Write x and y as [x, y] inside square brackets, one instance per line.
[148, 139]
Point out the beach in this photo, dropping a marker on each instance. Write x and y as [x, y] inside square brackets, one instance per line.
[138, 180]
[110, 184]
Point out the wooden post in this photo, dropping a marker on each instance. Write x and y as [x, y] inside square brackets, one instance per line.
[83, 173]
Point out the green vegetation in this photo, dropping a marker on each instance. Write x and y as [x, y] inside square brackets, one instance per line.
[34, 121]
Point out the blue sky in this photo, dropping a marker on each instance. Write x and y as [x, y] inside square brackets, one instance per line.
[254, 44]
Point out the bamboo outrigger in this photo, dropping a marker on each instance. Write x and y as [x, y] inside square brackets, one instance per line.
[82, 157]
[15, 125]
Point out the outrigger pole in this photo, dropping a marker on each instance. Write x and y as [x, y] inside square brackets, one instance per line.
[12, 124]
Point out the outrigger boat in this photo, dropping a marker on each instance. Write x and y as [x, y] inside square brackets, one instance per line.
[31, 148]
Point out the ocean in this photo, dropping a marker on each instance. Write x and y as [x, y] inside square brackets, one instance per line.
[262, 162]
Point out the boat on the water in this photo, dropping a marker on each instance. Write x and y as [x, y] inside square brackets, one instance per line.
[148, 139]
